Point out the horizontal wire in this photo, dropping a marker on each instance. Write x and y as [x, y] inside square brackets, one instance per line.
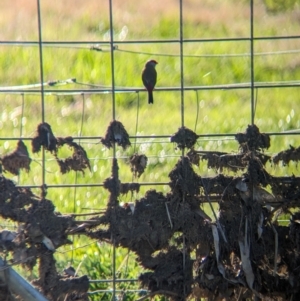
[87, 185]
[257, 85]
[241, 55]
[111, 280]
[208, 135]
[150, 157]
[39, 85]
[100, 49]
[110, 291]
[117, 157]
[280, 52]
[153, 41]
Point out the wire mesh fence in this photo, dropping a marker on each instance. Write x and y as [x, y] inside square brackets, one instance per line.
[121, 172]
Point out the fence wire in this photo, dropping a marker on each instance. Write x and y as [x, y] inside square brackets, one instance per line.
[74, 87]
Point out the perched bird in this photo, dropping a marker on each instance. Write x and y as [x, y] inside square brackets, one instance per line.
[149, 76]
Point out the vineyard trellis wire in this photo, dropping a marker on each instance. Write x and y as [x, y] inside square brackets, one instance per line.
[45, 89]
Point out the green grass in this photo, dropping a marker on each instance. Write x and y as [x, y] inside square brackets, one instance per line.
[220, 111]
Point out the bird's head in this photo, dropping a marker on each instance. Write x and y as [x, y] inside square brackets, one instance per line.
[151, 63]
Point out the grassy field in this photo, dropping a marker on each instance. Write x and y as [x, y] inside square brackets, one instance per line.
[205, 64]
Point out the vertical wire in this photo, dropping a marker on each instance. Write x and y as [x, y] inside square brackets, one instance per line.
[181, 64]
[182, 123]
[112, 59]
[252, 60]
[21, 125]
[136, 129]
[114, 117]
[197, 113]
[42, 89]
[253, 106]
[255, 102]
[21, 132]
[22, 115]
[41, 59]
[137, 122]
[82, 117]
[76, 174]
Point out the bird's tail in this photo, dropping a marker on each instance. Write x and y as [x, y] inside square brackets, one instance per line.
[150, 97]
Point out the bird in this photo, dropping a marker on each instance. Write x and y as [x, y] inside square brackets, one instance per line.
[149, 76]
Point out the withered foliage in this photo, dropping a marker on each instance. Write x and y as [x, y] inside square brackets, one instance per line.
[235, 255]
[116, 134]
[138, 163]
[291, 154]
[184, 138]
[17, 159]
[233, 162]
[194, 157]
[77, 162]
[44, 137]
[252, 139]
[41, 231]
[129, 187]
[235, 251]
